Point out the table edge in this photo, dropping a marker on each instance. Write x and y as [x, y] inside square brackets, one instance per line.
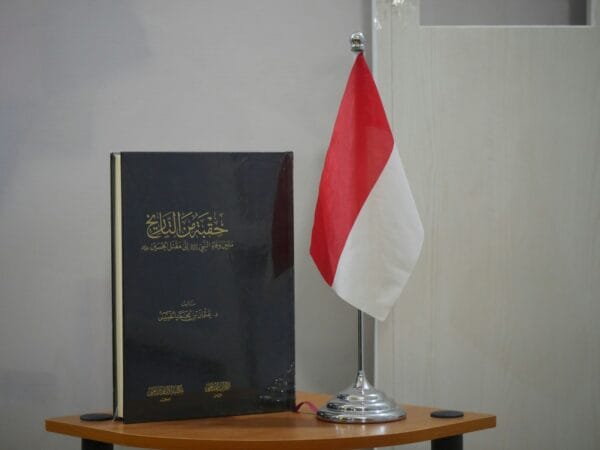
[141, 441]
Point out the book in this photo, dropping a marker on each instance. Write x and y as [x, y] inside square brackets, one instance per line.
[203, 284]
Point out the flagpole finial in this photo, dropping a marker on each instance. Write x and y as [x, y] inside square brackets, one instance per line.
[357, 42]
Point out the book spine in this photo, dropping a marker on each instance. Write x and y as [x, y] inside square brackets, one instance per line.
[113, 281]
[117, 283]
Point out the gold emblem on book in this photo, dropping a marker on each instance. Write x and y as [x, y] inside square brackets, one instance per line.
[164, 393]
[217, 388]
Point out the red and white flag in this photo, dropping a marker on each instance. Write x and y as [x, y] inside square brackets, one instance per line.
[367, 234]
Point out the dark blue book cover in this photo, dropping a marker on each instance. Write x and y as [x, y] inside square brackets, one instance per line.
[203, 284]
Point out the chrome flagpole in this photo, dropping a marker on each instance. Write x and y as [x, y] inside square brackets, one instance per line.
[361, 402]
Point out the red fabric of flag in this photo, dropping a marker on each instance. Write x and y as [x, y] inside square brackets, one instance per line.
[361, 151]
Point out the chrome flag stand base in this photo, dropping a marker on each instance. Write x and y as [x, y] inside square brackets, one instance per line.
[361, 403]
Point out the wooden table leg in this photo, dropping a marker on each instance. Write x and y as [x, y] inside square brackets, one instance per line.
[86, 444]
[448, 443]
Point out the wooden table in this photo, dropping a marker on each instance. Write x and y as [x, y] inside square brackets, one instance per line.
[286, 430]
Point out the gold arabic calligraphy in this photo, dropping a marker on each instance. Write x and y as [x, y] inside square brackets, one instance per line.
[216, 388]
[165, 393]
[187, 315]
[187, 246]
[178, 224]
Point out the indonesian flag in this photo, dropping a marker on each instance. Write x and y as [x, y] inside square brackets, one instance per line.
[367, 234]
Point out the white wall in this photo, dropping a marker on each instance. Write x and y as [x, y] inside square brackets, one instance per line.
[79, 79]
[499, 131]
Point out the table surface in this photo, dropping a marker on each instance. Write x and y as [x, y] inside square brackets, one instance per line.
[287, 430]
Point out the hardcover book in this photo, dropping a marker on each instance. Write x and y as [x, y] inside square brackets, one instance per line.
[203, 284]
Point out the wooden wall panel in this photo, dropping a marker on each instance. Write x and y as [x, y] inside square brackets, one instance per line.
[499, 131]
